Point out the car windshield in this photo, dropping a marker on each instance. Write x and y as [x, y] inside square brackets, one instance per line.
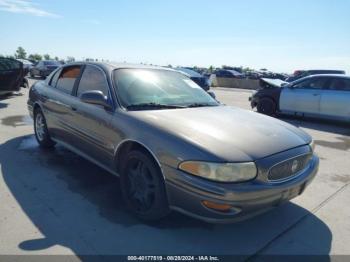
[156, 88]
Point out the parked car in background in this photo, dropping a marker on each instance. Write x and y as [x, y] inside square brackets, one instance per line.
[196, 77]
[326, 96]
[27, 65]
[303, 73]
[173, 145]
[226, 73]
[11, 75]
[44, 68]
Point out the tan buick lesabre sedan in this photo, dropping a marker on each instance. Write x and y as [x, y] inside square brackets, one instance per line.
[172, 144]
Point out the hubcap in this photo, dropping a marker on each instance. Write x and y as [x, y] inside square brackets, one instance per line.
[141, 187]
[39, 126]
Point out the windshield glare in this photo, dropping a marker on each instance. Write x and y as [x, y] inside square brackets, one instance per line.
[143, 86]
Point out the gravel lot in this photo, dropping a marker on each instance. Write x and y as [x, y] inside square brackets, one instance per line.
[54, 202]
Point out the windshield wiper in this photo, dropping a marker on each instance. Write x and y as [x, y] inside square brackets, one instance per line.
[200, 105]
[151, 105]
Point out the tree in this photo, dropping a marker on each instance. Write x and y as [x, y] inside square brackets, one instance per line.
[47, 57]
[20, 53]
[56, 58]
[35, 57]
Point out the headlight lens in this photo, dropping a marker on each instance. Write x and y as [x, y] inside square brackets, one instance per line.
[228, 172]
[312, 145]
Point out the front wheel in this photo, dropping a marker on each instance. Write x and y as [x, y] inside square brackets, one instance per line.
[25, 84]
[143, 188]
[266, 106]
[41, 132]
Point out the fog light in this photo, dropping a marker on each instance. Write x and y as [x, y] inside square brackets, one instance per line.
[217, 206]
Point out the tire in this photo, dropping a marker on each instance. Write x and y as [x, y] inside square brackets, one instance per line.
[31, 74]
[142, 187]
[266, 106]
[41, 132]
[25, 84]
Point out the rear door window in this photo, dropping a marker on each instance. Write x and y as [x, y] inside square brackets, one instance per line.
[340, 84]
[11, 74]
[67, 78]
[9, 64]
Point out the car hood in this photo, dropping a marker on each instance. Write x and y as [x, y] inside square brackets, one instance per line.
[271, 83]
[228, 133]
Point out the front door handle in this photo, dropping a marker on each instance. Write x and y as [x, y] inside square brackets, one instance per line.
[73, 108]
[316, 94]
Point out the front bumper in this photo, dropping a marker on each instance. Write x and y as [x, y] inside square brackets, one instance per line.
[186, 192]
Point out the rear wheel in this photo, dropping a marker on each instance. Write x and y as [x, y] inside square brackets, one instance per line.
[41, 132]
[266, 106]
[31, 74]
[143, 187]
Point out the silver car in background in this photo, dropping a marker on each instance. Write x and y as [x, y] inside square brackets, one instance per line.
[326, 96]
[173, 145]
[322, 96]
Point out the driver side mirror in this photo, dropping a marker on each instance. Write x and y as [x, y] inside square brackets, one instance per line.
[212, 94]
[95, 97]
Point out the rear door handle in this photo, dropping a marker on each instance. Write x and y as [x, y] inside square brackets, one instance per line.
[73, 108]
[316, 94]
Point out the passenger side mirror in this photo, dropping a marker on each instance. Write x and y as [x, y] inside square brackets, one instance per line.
[211, 93]
[95, 97]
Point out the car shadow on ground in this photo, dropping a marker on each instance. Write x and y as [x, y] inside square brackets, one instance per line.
[75, 204]
[9, 96]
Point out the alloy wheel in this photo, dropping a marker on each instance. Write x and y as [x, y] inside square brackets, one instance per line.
[141, 187]
[40, 126]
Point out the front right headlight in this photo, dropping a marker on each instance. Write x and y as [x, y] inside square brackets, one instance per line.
[312, 145]
[222, 172]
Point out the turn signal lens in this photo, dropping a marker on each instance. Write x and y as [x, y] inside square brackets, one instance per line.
[216, 206]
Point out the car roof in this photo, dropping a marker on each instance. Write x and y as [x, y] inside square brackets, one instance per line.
[232, 71]
[323, 70]
[24, 61]
[322, 75]
[330, 75]
[110, 66]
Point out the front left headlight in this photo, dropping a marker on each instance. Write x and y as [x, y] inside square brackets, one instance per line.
[222, 172]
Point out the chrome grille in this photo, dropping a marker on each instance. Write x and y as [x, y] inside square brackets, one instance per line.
[289, 168]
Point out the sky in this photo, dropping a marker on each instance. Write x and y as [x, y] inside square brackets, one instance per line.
[278, 35]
